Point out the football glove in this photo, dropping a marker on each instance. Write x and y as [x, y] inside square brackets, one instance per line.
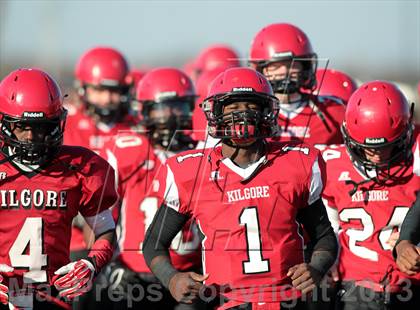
[4, 290]
[77, 278]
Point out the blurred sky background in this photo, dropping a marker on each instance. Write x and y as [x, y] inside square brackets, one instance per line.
[368, 39]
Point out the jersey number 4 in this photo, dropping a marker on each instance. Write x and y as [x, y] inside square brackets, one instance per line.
[360, 235]
[30, 238]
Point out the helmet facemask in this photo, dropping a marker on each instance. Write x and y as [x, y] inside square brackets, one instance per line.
[242, 126]
[167, 121]
[391, 169]
[39, 150]
[110, 112]
[305, 79]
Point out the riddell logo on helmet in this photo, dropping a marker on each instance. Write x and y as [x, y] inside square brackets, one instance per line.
[242, 89]
[33, 114]
[375, 140]
[282, 55]
[165, 95]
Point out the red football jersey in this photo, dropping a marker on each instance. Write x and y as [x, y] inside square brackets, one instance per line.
[313, 123]
[366, 220]
[137, 165]
[37, 209]
[81, 130]
[247, 215]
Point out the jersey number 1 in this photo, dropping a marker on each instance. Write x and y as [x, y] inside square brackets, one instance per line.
[255, 263]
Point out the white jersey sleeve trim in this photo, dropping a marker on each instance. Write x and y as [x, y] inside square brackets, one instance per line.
[332, 216]
[316, 186]
[171, 191]
[416, 164]
[101, 222]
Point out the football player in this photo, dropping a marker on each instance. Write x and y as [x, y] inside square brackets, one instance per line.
[248, 197]
[103, 89]
[167, 96]
[372, 183]
[283, 53]
[103, 86]
[43, 187]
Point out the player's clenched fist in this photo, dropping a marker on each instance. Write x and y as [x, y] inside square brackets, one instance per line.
[4, 290]
[408, 257]
[304, 277]
[77, 278]
[185, 286]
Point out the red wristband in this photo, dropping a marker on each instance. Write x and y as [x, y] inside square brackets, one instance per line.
[101, 251]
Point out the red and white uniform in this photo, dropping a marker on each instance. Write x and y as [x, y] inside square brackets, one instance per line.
[137, 164]
[247, 215]
[83, 131]
[366, 220]
[313, 122]
[37, 210]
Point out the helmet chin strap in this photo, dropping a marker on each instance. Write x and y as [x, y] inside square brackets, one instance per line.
[104, 115]
[357, 184]
[11, 155]
[285, 86]
[373, 176]
[8, 155]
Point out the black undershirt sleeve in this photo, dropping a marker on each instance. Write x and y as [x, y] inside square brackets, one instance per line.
[165, 226]
[315, 222]
[410, 228]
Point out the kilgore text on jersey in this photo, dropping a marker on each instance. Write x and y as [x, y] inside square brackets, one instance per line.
[28, 199]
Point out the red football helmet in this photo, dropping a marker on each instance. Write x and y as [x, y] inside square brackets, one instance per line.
[167, 97]
[280, 42]
[335, 84]
[241, 85]
[214, 56]
[104, 67]
[31, 98]
[378, 116]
